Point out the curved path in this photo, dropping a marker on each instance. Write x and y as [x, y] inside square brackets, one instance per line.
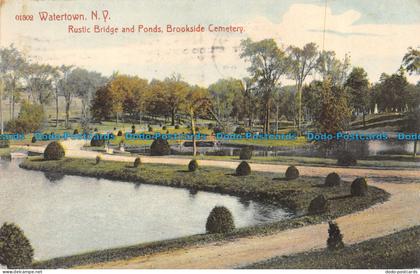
[400, 212]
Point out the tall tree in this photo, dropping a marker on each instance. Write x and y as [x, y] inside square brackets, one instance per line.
[12, 63]
[60, 75]
[223, 94]
[303, 62]
[39, 79]
[329, 66]
[411, 61]
[176, 91]
[357, 85]
[267, 64]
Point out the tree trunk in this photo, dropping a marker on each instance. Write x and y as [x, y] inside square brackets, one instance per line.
[300, 107]
[364, 119]
[67, 113]
[415, 149]
[193, 132]
[267, 119]
[173, 117]
[56, 109]
[1, 111]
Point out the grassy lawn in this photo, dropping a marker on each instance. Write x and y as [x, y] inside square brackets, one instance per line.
[4, 152]
[398, 250]
[265, 187]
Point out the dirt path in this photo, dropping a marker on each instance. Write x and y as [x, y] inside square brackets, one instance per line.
[400, 212]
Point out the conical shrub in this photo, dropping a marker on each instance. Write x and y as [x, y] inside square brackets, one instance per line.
[220, 220]
[243, 169]
[335, 238]
[15, 249]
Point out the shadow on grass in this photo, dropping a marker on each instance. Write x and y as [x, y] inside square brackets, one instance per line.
[341, 197]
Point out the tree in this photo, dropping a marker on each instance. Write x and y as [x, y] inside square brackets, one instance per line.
[303, 62]
[267, 64]
[412, 125]
[358, 87]
[197, 104]
[223, 94]
[39, 79]
[12, 64]
[102, 104]
[155, 99]
[391, 92]
[333, 68]
[176, 91]
[60, 75]
[411, 61]
[311, 98]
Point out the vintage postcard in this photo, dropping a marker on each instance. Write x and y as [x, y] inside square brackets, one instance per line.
[196, 134]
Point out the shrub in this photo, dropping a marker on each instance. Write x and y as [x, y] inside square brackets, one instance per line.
[193, 165]
[150, 129]
[220, 220]
[333, 179]
[359, 187]
[97, 141]
[292, 173]
[54, 151]
[76, 131]
[98, 159]
[160, 147]
[243, 169]
[210, 126]
[4, 143]
[217, 130]
[240, 130]
[164, 128]
[137, 162]
[246, 153]
[15, 249]
[119, 133]
[318, 205]
[30, 119]
[95, 129]
[346, 158]
[335, 238]
[133, 131]
[133, 127]
[176, 126]
[33, 140]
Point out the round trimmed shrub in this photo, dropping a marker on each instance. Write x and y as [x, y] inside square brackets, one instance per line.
[246, 153]
[137, 162]
[119, 133]
[176, 126]
[318, 205]
[97, 141]
[160, 147]
[359, 187]
[76, 131]
[98, 159]
[346, 158]
[54, 151]
[243, 169]
[164, 128]
[220, 220]
[210, 126]
[4, 143]
[15, 249]
[33, 140]
[193, 165]
[292, 173]
[95, 129]
[333, 179]
[150, 129]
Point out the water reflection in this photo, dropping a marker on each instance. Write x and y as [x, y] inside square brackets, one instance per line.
[54, 176]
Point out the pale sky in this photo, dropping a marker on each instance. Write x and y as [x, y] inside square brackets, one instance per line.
[376, 33]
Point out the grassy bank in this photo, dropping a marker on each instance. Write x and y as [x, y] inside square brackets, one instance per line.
[398, 250]
[267, 187]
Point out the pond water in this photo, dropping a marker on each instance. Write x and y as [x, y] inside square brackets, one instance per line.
[65, 215]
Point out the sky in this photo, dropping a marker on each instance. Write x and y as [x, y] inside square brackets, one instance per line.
[375, 33]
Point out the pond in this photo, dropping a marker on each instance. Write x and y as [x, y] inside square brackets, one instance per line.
[65, 215]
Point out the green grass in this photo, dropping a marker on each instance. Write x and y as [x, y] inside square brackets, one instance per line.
[266, 187]
[398, 250]
[298, 142]
[4, 152]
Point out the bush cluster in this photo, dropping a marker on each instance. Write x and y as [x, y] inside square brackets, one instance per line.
[4, 143]
[54, 151]
[220, 220]
[137, 162]
[160, 147]
[240, 130]
[292, 173]
[97, 141]
[193, 165]
[346, 158]
[243, 169]
[30, 119]
[246, 153]
[15, 249]
[359, 187]
[333, 179]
